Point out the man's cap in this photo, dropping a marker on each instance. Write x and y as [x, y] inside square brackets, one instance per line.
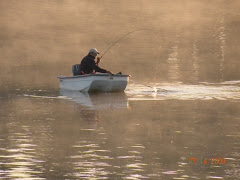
[94, 50]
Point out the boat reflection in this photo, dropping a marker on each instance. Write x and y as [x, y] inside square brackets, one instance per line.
[97, 100]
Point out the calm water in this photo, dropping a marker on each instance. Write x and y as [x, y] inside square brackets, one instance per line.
[191, 56]
[138, 134]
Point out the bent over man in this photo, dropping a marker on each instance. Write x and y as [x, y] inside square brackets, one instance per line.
[88, 64]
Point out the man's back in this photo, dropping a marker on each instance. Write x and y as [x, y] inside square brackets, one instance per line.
[88, 65]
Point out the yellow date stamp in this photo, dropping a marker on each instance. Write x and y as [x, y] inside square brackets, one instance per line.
[213, 161]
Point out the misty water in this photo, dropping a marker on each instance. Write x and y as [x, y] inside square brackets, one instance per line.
[187, 129]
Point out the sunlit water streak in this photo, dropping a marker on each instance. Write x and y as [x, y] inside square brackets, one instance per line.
[95, 162]
[203, 91]
[19, 159]
[222, 45]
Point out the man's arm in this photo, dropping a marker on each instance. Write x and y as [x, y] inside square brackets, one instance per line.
[96, 67]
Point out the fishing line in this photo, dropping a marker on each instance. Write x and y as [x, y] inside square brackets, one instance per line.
[154, 89]
[156, 68]
[123, 37]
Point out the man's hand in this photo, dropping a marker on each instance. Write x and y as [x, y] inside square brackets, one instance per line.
[109, 72]
[98, 60]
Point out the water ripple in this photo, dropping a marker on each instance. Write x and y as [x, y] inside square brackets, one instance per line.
[203, 91]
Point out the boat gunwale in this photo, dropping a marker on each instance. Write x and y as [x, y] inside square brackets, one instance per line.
[92, 75]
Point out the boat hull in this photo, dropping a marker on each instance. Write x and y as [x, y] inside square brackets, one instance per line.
[94, 82]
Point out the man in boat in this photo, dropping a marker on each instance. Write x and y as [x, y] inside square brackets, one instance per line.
[88, 64]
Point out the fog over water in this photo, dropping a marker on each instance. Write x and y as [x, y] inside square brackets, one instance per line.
[190, 41]
[188, 49]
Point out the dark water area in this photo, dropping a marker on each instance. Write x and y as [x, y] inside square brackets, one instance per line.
[187, 50]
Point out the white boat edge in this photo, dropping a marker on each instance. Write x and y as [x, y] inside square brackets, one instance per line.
[94, 82]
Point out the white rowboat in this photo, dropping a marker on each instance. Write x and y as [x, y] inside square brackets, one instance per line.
[94, 82]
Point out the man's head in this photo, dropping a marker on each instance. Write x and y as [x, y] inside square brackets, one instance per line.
[94, 52]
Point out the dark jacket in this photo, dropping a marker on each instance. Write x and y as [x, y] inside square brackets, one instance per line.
[88, 65]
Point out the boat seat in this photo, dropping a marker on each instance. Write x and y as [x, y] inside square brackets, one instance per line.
[76, 69]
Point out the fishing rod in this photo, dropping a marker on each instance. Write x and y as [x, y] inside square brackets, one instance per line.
[153, 88]
[123, 37]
